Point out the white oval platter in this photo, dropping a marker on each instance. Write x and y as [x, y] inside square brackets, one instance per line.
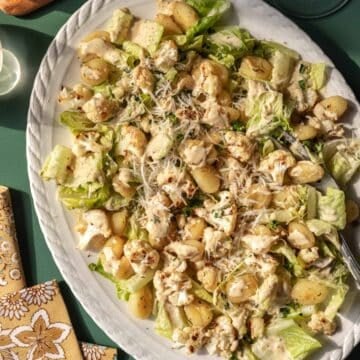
[96, 294]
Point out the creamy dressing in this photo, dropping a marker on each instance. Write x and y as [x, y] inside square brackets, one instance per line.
[271, 348]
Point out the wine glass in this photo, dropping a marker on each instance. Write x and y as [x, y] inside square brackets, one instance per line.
[9, 71]
[309, 9]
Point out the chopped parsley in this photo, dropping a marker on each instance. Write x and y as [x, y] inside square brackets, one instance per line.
[302, 68]
[284, 311]
[273, 224]
[238, 126]
[193, 203]
[302, 84]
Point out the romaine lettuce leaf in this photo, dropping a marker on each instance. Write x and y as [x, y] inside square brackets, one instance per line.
[331, 208]
[342, 158]
[134, 50]
[121, 293]
[317, 76]
[319, 227]
[201, 293]
[75, 121]
[57, 164]
[283, 66]
[124, 287]
[104, 89]
[210, 12]
[294, 264]
[134, 231]
[267, 114]
[88, 196]
[136, 282]
[116, 202]
[229, 44]
[267, 49]
[163, 326]
[336, 301]
[297, 342]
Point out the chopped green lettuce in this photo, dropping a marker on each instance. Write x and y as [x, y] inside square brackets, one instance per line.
[280, 216]
[119, 25]
[293, 264]
[229, 44]
[105, 89]
[88, 196]
[133, 49]
[317, 76]
[75, 121]
[298, 343]
[121, 293]
[331, 208]
[116, 202]
[163, 326]
[134, 109]
[110, 166]
[210, 11]
[267, 114]
[342, 158]
[283, 66]
[57, 164]
[336, 301]
[201, 293]
[319, 228]
[136, 282]
[268, 48]
[311, 202]
[134, 231]
[124, 287]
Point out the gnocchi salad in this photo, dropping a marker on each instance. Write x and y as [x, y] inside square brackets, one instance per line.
[183, 182]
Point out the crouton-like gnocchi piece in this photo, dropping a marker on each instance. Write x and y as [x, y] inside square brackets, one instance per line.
[241, 288]
[184, 15]
[331, 108]
[300, 237]
[119, 221]
[95, 72]
[199, 313]
[305, 132]
[255, 68]
[207, 178]
[170, 26]
[309, 292]
[305, 172]
[141, 303]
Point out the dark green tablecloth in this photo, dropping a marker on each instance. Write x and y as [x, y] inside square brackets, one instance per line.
[29, 38]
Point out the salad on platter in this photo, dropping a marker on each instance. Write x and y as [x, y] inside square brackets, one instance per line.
[182, 179]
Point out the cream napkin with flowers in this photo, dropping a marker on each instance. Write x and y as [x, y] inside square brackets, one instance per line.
[35, 325]
[11, 273]
[34, 321]
[97, 352]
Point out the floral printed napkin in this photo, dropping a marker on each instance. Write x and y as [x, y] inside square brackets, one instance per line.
[11, 273]
[35, 325]
[34, 322]
[97, 352]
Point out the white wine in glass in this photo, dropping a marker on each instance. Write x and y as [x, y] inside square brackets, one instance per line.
[309, 9]
[9, 71]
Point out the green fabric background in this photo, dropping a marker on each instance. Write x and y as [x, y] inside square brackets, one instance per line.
[28, 38]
